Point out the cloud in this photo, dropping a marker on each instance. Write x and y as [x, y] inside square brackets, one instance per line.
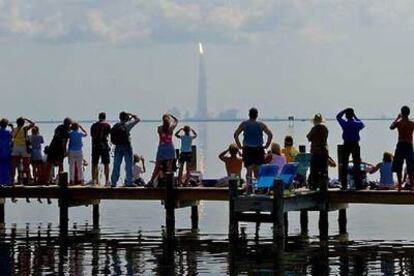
[214, 21]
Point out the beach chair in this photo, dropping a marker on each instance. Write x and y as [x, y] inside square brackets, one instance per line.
[288, 174]
[266, 176]
[303, 159]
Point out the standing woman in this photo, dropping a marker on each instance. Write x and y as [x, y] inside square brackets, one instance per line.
[318, 137]
[5, 152]
[75, 153]
[20, 151]
[36, 141]
[166, 150]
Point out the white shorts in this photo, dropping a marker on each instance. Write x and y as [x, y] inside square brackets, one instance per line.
[20, 151]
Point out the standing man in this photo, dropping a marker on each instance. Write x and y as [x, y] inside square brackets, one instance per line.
[351, 128]
[253, 149]
[404, 149]
[121, 138]
[100, 147]
[318, 136]
[58, 146]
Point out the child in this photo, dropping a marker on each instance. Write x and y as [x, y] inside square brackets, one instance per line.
[289, 150]
[276, 157]
[36, 141]
[233, 163]
[186, 150]
[385, 167]
[75, 153]
[137, 170]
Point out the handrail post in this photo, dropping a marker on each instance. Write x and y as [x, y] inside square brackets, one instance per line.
[233, 220]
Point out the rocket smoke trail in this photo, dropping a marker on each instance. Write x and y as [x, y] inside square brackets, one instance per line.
[201, 112]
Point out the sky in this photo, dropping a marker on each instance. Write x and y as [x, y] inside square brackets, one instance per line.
[286, 57]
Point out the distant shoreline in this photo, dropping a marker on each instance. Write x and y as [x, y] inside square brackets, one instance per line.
[216, 120]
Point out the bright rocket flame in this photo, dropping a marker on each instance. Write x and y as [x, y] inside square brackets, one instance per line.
[200, 48]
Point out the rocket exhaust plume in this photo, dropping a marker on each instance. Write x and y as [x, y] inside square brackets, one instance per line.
[200, 48]
[202, 111]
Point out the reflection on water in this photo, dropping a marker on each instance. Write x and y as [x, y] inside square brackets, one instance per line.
[101, 252]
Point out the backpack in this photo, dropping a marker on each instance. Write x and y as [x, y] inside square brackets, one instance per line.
[119, 134]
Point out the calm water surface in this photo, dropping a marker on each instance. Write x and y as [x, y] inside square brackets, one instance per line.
[130, 238]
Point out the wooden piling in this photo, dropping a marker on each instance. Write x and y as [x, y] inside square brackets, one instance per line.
[194, 209]
[63, 205]
[304, 222]
[2, 210]
[233, 221]
[95, 216]
[286, 223]
[278, 214]
[342, 221]
[170, 205]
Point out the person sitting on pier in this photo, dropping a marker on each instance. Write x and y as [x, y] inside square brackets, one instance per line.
[404, 149]
[75, 154]
[166, 151]
[351, 128]
[58, 146]
[253, 149]
[233, 163]
[21, 149]
[276, 157]
[186, 154]
[138, 170]
[289, 150]
[385, 168]
[100, 131]
[5, 151]
[36, 160]
[121, 138]
[318, 136]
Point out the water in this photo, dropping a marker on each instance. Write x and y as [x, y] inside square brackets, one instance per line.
[130, 239]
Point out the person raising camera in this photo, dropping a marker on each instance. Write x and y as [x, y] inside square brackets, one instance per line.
[120, 137]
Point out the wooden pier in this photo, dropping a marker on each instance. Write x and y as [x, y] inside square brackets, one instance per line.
[253, 208]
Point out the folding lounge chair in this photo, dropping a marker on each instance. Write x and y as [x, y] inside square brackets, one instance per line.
[266, 177]
[288, 174]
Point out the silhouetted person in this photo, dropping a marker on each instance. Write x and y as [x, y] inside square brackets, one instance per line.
[5, 152]
[351, 128]
[58, 146]
[404, 149]
[121, 138]
[100, 147]
[318, 136]
[253, 149]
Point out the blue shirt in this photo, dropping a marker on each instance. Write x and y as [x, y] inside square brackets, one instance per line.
[351, 128]
[252, 134]
[5, 143]
[75, 140]
[186, 143]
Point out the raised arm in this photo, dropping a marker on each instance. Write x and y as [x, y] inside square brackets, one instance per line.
[194, 133]
[394, 124]
[175, 121]
[222, 156]
[237, 134]
[31, 124]
[269, 135]
[177, 133]
[83, 130]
